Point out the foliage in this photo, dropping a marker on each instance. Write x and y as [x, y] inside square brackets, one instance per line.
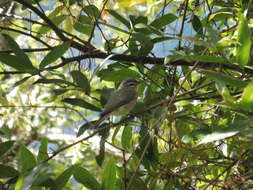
[191, 127]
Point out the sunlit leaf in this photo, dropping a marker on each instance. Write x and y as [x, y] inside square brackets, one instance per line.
[247, 97]
[126, 137]
[43, 150]
[234, 129]
[117, 75]
[244, 42]
[27, 159]
[81, 80]
[109, 175]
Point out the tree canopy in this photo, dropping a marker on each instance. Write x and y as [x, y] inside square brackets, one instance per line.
[191, 127]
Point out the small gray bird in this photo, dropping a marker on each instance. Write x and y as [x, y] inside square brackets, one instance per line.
[121, 101]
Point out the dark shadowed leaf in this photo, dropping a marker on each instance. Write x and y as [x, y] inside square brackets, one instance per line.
[54, 54]
[81, 80]
[20, 55]
[7, 171]
[5, 147]
[196, 24]
[101, 155]
[62, 179]
[14, 62]
[84, 177]
[81, 103]
[53, 81]
[120, 18]
[217, 76]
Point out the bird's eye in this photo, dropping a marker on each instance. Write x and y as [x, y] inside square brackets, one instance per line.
[132, 84]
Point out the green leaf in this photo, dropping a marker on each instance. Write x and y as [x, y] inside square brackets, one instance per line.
[43, 150]
[85, 20]
[55, 19]
[81, 103]
[53, 81]
[81, 80]
[84, 177]
[20, 55]
[218, 16]
[5, 147]
[145, 41]
[85, 29]
[101, 155]
[109, 175]
[217, 76]
[92, 11]
[120, 18]
[14, 62]
[62, 179]
[164, 20]
[20, 182]
[59, 91]
[83, 128]
[21, 81]
[223, 90]
[54, 54]
[197, 25]
[117, 75]
[244, 42]
[27, 159]
[247, 97]
[7, 171]
[235, 128]
[126, 137]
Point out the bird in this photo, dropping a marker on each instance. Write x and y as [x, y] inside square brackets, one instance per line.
[122, 100]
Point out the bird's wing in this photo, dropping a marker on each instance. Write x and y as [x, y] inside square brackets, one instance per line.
[116, 101]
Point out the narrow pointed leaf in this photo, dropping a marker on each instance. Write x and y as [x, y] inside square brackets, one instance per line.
[27, 159]
[81, 80]
[120, 18]
[43, 150]
[244, 42]
[247, 97]
[5, 147]
[109, 175]
[54, 54]
[81, 103]
[7, 171]
[164, 20]
[84, 177]
[62, 180]
[22, 57]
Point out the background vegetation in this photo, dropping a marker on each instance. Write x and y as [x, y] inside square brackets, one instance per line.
[192, 126]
